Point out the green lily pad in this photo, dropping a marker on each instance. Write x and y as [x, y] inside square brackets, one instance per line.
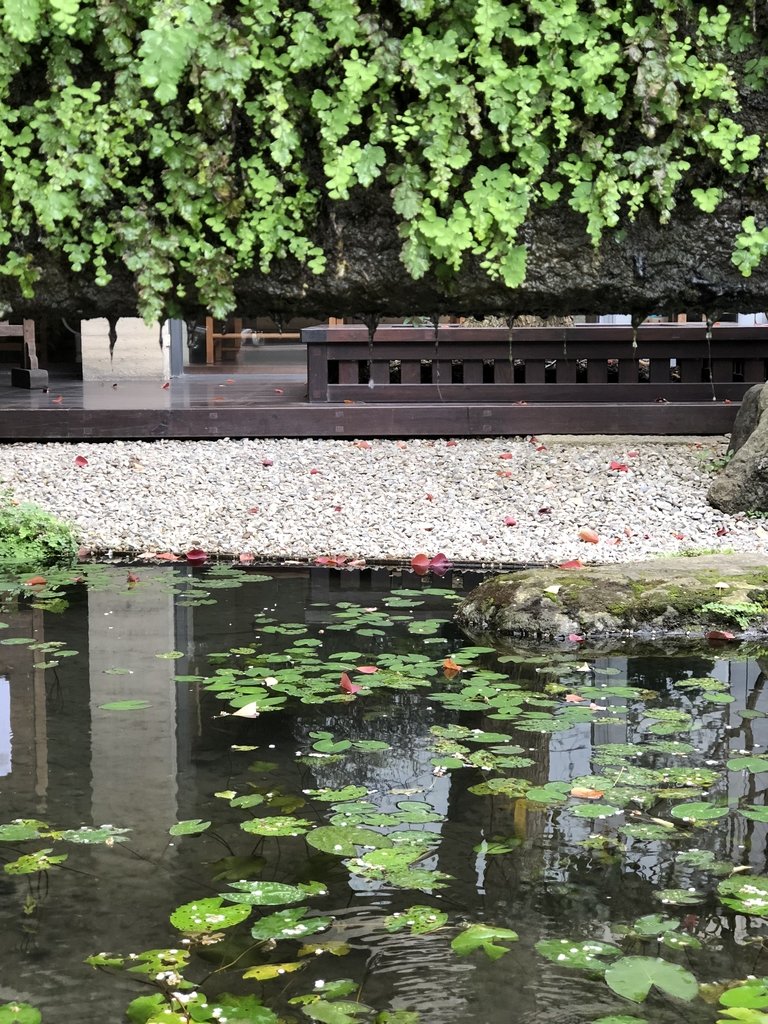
[421, 920]
[289, 924]
[190, 827]
[208, 915]
[634, 976]
[485, 937]
[577, 953]
[343, 841]
[125, 705]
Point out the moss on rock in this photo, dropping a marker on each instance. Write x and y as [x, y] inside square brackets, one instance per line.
[679, 596]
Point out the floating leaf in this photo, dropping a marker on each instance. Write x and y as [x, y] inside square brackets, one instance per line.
[755, 763]
[86, 836]
[271, 894]
[752, 993]
[342, 841]
[679, 897]
[190, 827]
[576, 953]
[421, 920]
[208, 915]
[268, 971]
[652, 925]
[21, 829]
[595, 810]
[33, 863]
[698, 811]
[125, 705]
[276, 825]
[289, 924]
[745, 895]
[19, 1013]
[485, 937]
[634, 976]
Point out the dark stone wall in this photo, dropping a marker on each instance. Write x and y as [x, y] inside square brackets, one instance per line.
[641, 267]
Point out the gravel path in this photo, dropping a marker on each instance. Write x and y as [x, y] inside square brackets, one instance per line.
[299, 499]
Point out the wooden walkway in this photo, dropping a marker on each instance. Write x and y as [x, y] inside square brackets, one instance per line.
[202, 407]
[477, 382]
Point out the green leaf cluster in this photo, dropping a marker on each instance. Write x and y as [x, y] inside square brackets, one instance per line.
[191, 141]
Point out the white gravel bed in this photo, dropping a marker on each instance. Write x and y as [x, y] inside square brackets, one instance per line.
[299, 499]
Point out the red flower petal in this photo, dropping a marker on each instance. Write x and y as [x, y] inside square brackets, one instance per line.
[196, 556]
[80, 460]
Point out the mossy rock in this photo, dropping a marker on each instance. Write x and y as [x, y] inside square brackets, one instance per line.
[678, 597]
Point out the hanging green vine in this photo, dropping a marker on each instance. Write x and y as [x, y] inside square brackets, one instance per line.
[193, 140]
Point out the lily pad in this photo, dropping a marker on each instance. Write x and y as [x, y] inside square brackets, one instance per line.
[207, 915]
[485, 937]
[343, 841]
[577, 953]
[634, 976]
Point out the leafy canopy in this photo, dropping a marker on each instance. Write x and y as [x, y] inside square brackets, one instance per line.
[192, 140]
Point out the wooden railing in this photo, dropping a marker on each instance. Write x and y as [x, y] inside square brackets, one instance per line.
[587, 363]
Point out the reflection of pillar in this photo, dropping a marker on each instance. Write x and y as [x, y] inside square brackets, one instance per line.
[41, 719]
[25, 739]
[133, 753]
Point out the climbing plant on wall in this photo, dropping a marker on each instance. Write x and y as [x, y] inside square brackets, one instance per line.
[191, 140]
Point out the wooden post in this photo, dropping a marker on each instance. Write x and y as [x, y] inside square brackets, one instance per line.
[30, 346]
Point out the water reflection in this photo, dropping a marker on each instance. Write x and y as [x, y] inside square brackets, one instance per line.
[68, 758]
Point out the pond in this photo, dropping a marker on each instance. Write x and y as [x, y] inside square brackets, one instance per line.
[301, 795]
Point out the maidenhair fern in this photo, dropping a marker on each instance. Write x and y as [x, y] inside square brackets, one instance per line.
[193, 140]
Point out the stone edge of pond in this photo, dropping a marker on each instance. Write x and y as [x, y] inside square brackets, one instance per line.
[683, 599]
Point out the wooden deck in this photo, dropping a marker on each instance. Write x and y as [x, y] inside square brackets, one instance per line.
[474, 382]
[202, 407]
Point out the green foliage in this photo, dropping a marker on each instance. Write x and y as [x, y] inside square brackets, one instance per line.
[31, 538]
[192, 140]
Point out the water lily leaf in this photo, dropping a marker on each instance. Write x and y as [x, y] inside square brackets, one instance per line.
[421, 920]
[170, 655]
[21, 829]
[125, 705]
[19, 1013]
[190, 827]
[594, 810]
[240, 1009]
[755, 763]
[551, 793]
[108, 834]
[485, 937]
[145, 1008]
[634, 976]
[644, 832]
[268, 971]
[341, 1012]
[679, 897]
[576, 953]
[276, 825]
[512, 788]
[620, 1018]
[342, 840]
[289, 924]
[746, 895]
[652, 925]
[32, 863]
[682, 940]
[698, 811]
[271, 894]
[337, 796]
[752, 993]
[397, 1017]
[207, 915]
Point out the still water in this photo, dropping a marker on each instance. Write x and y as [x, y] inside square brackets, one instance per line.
[316, 753]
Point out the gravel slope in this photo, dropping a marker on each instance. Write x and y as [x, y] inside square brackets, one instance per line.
[298, 499]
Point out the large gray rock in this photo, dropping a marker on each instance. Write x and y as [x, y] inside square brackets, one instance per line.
[677, 596]
[742, 486]
[747, 418]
